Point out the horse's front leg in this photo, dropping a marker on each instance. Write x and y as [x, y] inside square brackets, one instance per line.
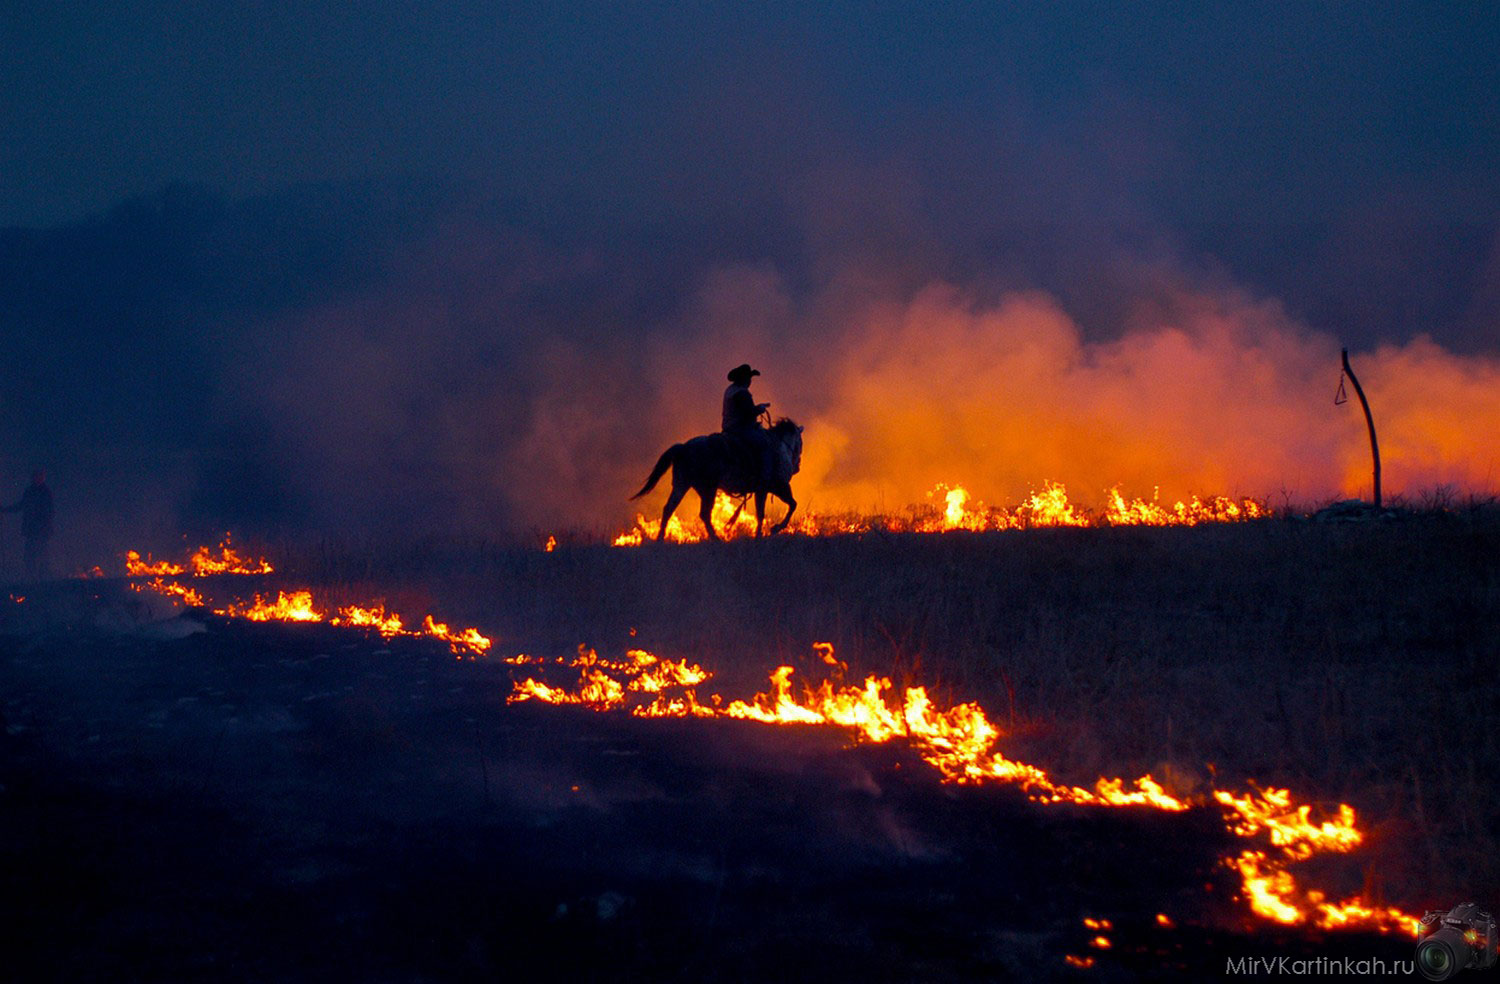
[706, 511]
[785, 495]
[760, 512]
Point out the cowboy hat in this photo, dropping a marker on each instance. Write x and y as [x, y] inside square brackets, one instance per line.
[742, 371]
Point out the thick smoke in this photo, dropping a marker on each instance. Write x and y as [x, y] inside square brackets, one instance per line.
[460, 268]
[403, 363]
[1205, 391]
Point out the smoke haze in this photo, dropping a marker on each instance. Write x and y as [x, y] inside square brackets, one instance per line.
[455, 270]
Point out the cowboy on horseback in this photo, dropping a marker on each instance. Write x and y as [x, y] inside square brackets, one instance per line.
[741, 425]
[743, 459]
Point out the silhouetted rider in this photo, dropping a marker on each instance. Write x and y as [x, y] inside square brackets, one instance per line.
[742, 424]
[35, 507]
[740, 408]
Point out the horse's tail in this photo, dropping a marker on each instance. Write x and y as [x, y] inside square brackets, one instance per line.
[662, 464]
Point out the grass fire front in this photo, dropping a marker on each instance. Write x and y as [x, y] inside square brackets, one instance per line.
[296, 801]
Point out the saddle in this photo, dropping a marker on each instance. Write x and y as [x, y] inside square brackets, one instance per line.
[746, 454]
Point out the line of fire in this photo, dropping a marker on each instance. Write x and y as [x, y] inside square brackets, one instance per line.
[1282, 857]
[1276, 832]
[749, 492]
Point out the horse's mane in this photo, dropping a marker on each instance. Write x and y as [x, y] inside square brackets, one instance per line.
[784, 426]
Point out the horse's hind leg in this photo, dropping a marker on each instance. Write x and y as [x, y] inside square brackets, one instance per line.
[706, 510]
[785, 495]
[760, 512]
[673, 501]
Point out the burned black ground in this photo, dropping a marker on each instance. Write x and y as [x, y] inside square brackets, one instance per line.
[290, 802]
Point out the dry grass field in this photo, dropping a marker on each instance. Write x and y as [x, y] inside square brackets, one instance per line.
[197, 796]
[1351, 662]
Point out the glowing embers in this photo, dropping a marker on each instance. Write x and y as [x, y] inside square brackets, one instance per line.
[961, 743]
[952, 509]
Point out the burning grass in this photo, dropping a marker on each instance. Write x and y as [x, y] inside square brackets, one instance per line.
[952, 509]
[1352, 663]
[286, 606]
[962, 744]
[299, 606]
[203, 562]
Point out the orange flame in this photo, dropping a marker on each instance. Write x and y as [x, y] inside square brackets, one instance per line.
[464, 639]
[136, 567]
[171, 589]
[953, 509]
[298, 606]
[203, 562]
[386, 623]
[294, 606]
[960, 742]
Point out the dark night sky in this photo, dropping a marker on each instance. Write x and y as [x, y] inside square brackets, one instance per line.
[210, 212]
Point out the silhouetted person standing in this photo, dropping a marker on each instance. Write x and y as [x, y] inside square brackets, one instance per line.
[35, 507]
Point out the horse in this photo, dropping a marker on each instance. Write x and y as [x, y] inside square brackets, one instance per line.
[709, 463]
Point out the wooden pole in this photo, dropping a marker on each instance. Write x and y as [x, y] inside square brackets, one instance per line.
[1369, 421]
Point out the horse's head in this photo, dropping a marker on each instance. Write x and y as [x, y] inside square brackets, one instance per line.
[787, 434]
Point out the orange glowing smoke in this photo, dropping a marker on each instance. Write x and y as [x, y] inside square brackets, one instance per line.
[1201, 391]
[951, 509]
[961, 743]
